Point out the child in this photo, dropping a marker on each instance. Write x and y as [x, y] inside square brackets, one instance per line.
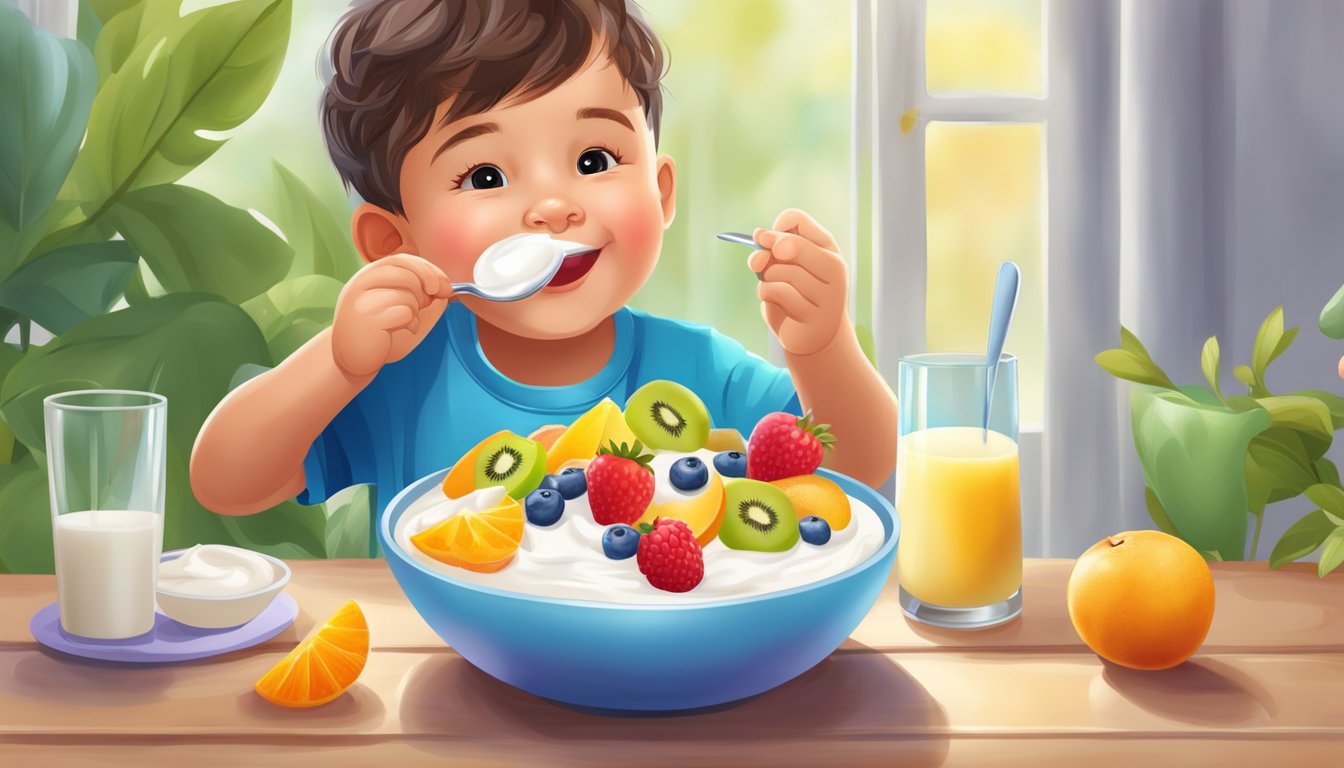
[461, 122]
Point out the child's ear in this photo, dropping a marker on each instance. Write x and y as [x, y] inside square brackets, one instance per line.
[378, 232]
[667, 189]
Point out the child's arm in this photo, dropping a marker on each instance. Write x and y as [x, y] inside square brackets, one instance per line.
[249, 454]
[804, 297]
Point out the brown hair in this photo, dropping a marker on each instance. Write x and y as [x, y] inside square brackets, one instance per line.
[395, 61]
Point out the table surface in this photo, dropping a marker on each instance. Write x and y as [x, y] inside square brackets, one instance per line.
[1268, 686]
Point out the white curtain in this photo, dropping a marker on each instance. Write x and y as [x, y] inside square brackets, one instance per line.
[1196, 182]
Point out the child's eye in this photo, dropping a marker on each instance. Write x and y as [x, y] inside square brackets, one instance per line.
[482, 177]
[596, 160]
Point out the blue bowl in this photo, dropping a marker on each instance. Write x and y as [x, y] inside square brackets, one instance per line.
[633, 657]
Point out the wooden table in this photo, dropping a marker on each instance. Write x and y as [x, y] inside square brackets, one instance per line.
[1267, 688]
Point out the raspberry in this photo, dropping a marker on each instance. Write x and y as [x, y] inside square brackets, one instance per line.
[669, 556]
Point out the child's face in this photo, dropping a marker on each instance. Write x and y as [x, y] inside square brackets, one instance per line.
[577, 163]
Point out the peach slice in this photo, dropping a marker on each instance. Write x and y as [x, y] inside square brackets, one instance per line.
[547, 434]
[702, 512]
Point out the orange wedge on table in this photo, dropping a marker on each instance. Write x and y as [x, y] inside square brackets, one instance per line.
[326, 663]
[483, 540]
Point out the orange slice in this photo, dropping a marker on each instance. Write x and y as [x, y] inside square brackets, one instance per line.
[547, 434]
[482, 540]
[461, 479]
[326, 663]
[582, 438]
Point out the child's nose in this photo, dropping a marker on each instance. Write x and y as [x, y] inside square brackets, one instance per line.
[554, 213]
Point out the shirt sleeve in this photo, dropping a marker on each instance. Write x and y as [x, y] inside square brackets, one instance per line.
[326, 468]
[752, 387]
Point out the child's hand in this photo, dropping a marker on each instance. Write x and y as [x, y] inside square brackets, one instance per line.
[804, 282]
[385, 310]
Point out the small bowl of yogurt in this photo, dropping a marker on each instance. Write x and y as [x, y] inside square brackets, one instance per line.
[213, 586]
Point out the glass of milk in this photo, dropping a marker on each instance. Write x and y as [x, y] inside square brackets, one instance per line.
[106, 462]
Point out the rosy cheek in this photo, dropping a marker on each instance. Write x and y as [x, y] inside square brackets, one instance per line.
[637, 225]
[459, 237]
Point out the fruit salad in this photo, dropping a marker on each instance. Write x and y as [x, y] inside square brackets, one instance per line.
[648, 504]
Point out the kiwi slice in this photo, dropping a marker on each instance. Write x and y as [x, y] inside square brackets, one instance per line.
[512, 461]
[667, 416]
[758, 517]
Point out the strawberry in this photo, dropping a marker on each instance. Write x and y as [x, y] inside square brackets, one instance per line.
[669, 556]
[620, 483]
[784, 445]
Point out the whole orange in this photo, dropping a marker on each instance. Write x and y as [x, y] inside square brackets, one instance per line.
[1142, 599]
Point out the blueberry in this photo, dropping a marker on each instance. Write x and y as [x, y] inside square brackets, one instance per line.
[620, 542]
[571, 483]
[731, 463]
[688, 474]
[814, 530]
[544, 506]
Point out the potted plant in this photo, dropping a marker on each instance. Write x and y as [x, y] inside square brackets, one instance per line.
[94, 137]
[1212, 461]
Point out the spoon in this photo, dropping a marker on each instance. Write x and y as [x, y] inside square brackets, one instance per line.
[512, 246]
[741, 239]
[1005, 300]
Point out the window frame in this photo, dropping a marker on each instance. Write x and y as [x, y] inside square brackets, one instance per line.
[889, 81]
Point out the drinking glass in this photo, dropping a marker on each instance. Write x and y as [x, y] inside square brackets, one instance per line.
[106, 463]
[957, 492]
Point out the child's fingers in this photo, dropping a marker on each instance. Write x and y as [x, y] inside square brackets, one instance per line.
[758, 260]
[794, 304]
[434, 282]
[395, 316]
[826, 265]
[808, 284]
[374, 300]
[794, 220]
[394, 277]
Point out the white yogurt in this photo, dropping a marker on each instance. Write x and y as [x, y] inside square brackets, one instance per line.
[517, 263]
[215, 570]
[565, 560]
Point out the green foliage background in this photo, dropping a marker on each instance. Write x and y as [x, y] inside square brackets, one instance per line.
[203, 197]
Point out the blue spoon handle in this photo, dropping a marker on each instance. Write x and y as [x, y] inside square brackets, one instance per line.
[1001, 315]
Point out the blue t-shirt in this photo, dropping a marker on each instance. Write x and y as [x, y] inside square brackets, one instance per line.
[421, 413]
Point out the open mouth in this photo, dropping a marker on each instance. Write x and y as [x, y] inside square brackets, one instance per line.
[574, 268]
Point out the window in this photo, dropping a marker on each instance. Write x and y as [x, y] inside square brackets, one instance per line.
[965, 120]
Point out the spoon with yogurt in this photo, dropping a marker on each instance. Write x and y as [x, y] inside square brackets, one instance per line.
[519, 266]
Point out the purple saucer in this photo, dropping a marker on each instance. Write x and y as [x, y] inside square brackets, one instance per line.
[169, 641]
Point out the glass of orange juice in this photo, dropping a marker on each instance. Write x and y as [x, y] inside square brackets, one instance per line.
[960, 557]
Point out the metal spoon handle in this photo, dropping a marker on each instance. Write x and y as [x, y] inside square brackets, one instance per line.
[741, 239]
[1005, 300]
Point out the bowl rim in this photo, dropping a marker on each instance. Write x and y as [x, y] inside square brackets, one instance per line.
[848, 484]
[275, 585]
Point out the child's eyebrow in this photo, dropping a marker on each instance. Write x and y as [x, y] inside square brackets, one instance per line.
[602, 113]
[471, 132]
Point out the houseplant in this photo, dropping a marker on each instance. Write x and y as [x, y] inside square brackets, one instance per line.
[90, 214]
[1211, 458]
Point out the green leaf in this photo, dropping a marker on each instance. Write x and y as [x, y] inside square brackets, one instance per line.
[287, 530]
[126, 24]
[25, 518]
[1158, 514]
[1270, 342]
[47, 88]
[1334, 403]
[65, 287]
[1245, 375]
[1208, 362]
[87, 25]
[1301, 539]
[1329, 498]
[207, 71]
[1213, 556]
[1327, 471]
[192, 241]
[293, 311]
[1331, 321]
[1277, 468]
[1307, 415]
[1125, 364]
[320, 241]
[184, 346]
[348, 526]
[9, 357]
[1332, 553]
